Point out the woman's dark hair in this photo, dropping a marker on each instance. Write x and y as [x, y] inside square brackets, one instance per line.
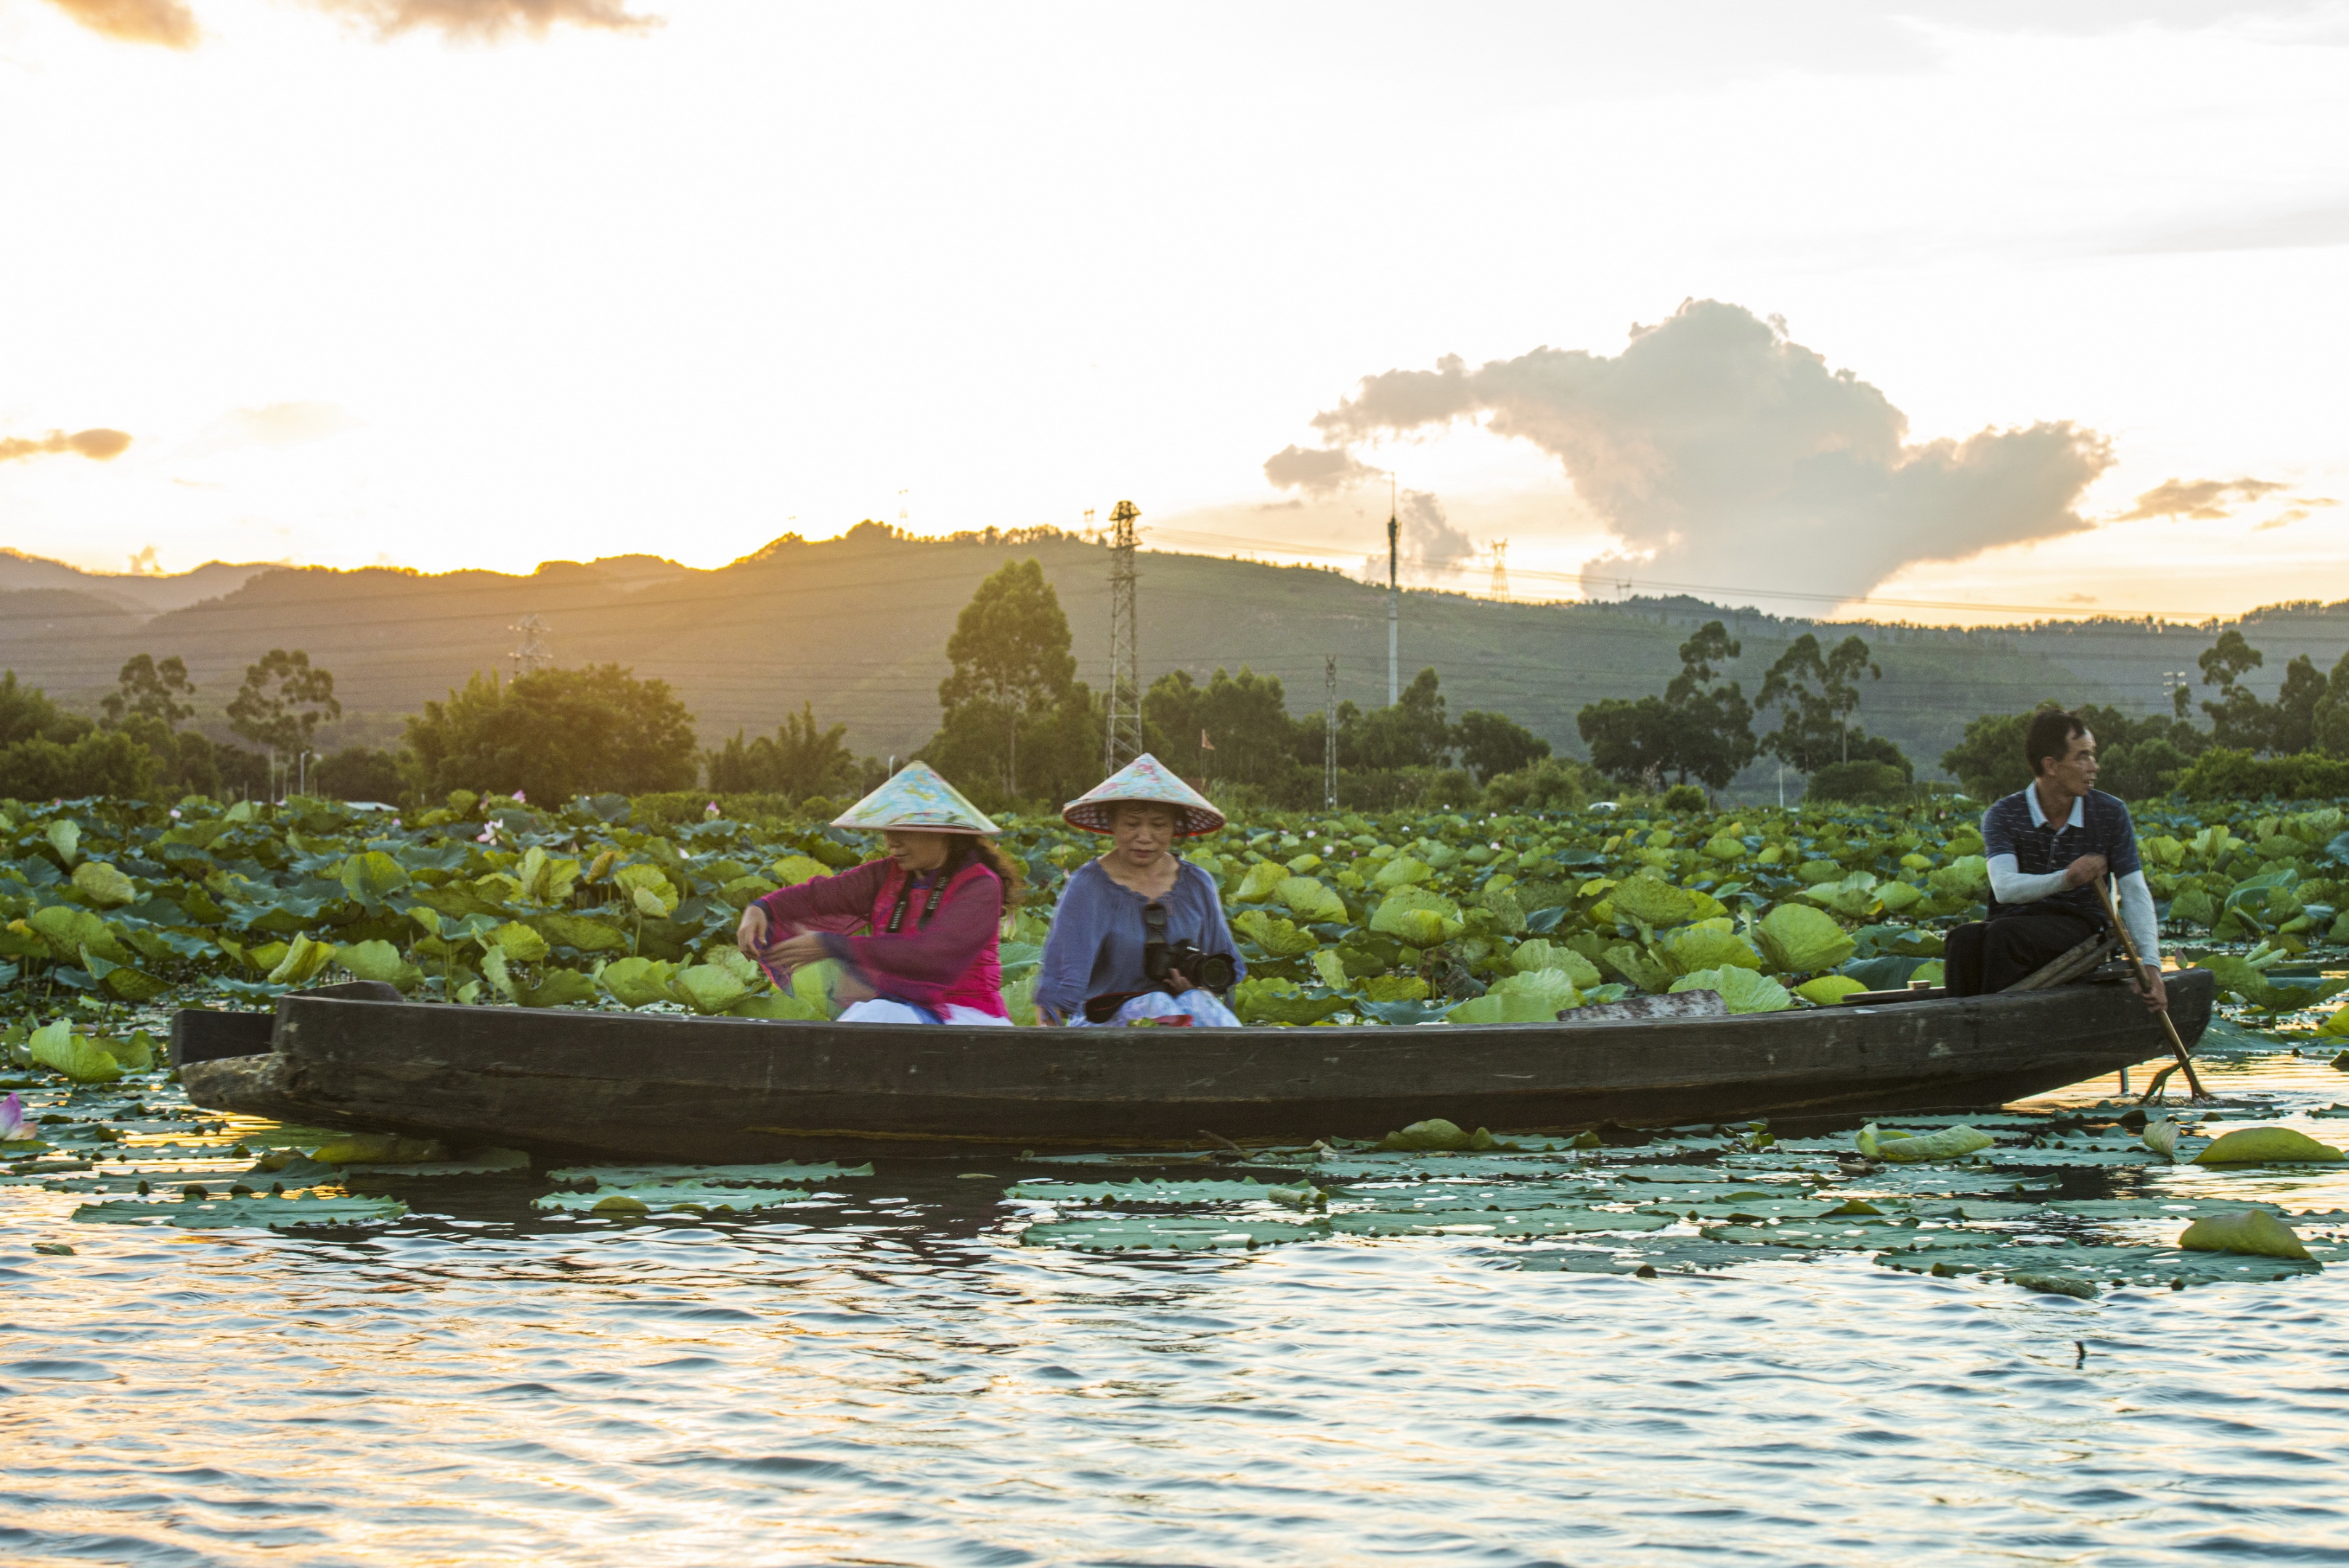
[967, 848]
[2050, 734]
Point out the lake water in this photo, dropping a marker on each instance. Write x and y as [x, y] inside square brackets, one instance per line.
[895, 1380]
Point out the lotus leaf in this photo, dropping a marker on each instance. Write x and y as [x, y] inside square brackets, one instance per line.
[373, 877]
[1851, 897]
[1262, 1001]
[2246, 980]
[673, 1197]
[1896, 896]
[303, 960]
[793, 869]
[1796, 939]
[1418, 917]
[1501, 1008]
[581, 931]
[518, 942]
[545, 878]
[1653, 903]
[2161, 1137]
[1311, 901]
[225, 1214]
[1279, 938]
[69, 932]
[1402, 870]
[1395, 988]
[1637, 967]
[2254, 1231]
[1722, 847]
[1262, 879]
[1169, 1233]
[1741, 990]
[637, 982]
[65, 837]
[1552, 988]
[557, 988]
[1696, 947]
[1331, 968]
[2267, 1146]
[79, 1057]
[379, 1149]
[103, 885]
[1966, 877]
[708, 987]
[647, 889]
[1828, 989]
[1434, 1133]
[1950, 1143]
[122, 980]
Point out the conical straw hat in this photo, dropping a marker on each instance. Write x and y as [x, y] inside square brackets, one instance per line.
[917, 800]
[1145, 779]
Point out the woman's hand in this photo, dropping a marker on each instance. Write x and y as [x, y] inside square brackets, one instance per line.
[751, 935]
[805, 948]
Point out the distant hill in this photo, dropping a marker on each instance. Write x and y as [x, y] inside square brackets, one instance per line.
[132, 591]
[858, 626]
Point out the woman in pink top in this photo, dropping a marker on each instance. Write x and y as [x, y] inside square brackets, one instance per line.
[916, 932]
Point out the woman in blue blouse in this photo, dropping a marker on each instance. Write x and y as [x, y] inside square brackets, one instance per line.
[1095, 967]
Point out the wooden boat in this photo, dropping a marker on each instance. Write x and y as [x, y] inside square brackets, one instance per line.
[729, 1089]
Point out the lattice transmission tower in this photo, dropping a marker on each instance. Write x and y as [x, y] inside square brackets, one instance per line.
[534, 654]
[1329, 733]
[1394, 600]
[1124, 742]
[1500, 568]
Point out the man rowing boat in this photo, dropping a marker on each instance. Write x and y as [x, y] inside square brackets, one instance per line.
[2049, 846]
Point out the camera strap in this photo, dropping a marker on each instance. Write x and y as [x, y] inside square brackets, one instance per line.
[929, 908]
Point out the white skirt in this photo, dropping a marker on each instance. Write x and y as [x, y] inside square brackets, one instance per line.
[877, 1011]
[1206, 1009]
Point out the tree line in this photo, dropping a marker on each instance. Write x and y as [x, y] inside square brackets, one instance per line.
[1017, 726]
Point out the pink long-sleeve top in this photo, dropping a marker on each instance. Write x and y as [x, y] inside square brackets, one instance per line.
[947, 960]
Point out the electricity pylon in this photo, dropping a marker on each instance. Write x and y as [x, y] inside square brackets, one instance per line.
[534, 654]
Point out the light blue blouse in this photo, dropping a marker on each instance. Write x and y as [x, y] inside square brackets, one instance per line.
[1097, 937]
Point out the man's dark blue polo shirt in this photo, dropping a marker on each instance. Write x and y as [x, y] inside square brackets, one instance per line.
[2099, 825]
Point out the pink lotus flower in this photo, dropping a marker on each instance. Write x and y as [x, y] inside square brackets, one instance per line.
[518, 796]
[488, 835]
[12, 1118]
[710, 809]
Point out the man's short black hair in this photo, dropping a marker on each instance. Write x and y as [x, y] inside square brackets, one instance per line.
[2050, 734]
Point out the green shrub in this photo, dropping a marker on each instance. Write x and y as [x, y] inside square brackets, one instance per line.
[360, 773]
[2224, 774]
[1860, 784]
[1683, 797]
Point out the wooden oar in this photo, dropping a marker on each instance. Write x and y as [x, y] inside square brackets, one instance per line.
[2168, 1026]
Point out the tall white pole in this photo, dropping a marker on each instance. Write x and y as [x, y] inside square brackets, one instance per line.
[1394, 663]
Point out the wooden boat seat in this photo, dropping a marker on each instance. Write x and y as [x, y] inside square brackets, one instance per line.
[2077, 962]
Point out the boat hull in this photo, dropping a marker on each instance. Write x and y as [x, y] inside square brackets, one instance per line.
[726, 1090]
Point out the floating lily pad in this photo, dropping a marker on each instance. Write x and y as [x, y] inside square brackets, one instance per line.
[1169, 1233]
[229, 1213]
[2106, 1266]
[1491, 1220]
[632, 1176]
[678, 1197]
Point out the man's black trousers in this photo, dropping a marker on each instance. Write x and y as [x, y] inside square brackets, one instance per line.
[1989, 955]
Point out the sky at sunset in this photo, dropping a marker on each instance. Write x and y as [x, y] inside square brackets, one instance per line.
[1978, 314]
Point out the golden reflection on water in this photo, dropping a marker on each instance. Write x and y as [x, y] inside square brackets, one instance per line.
[898, 1382]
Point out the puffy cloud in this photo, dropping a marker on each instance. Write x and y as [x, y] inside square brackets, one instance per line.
[166, 22]
[97, 444]
[1316, 473]
[489, 19]
[1726, 456]
[2203, 498]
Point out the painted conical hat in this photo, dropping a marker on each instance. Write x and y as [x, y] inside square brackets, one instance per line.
[916, 798]
[1143, 779]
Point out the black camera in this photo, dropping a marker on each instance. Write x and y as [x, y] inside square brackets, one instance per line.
[1160, 957]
